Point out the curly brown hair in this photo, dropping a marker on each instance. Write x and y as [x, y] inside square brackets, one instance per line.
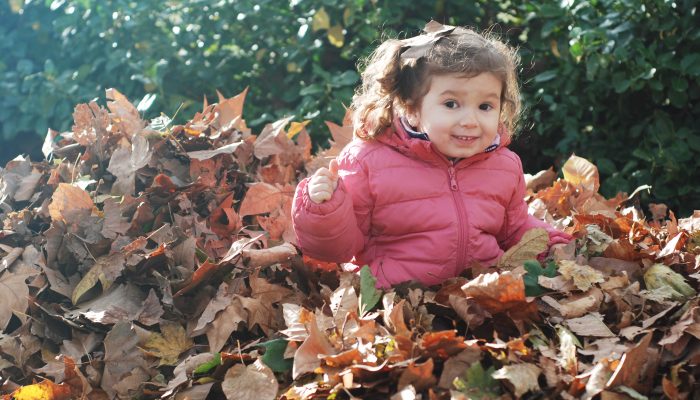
[394, 85]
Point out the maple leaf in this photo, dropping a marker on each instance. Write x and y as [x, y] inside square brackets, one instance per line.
[169, 344]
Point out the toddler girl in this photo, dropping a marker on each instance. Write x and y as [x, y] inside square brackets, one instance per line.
[427, 187]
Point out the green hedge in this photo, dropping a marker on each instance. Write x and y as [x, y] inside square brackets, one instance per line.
[613, 81]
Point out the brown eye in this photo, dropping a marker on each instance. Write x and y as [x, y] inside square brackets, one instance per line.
[450, 104]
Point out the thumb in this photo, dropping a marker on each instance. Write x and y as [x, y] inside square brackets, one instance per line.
[333, 168]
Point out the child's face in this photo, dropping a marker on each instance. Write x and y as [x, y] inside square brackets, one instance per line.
[460, 115]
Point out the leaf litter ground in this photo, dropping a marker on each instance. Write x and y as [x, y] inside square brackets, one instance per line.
[151, 260]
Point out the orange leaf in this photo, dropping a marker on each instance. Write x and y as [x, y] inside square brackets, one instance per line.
[45, 390]
[442, 344]
[419, 375]
[496, 292]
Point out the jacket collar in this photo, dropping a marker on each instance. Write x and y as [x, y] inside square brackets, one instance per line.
[396, 136]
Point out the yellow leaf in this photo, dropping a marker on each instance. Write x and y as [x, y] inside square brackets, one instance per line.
[16, 5]
[335, 36]
[580, 171]
[530, 245]
[45, 390]
[296, 127]
[347, 14]
[169, 344]
[321, 20]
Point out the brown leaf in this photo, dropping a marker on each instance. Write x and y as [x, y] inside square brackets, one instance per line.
[540, 180]
[273, 139]
[456, 366]
[637, 367]
[14, 294]
[306, 358]
[70, 203]
[124, 114]
[225, 323]
[122, 358]
[419, 375]
[256, 381]
[261, 198]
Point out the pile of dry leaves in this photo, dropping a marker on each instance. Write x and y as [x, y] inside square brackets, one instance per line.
[151, 260]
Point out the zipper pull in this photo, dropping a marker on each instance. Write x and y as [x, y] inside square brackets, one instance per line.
[453, 178]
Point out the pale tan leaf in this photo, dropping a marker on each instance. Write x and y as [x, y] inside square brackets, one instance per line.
[589, 325]
[530, 245]
[583, 276]
[306, 358]
[256, 381]
[523, 377]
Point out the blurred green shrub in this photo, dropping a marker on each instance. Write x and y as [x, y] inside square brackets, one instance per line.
[614, 81]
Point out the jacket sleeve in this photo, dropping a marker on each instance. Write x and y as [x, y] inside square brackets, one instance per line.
[518, 221]
[337, 229]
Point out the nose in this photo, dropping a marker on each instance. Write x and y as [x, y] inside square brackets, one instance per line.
[468, 119]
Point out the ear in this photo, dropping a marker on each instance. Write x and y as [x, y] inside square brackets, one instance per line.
[413, 119]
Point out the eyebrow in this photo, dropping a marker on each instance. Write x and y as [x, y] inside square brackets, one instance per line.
[492, 95]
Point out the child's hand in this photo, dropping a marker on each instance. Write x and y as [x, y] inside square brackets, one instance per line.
[323, 183]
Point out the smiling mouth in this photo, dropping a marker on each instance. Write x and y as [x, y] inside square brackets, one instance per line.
[466, 139]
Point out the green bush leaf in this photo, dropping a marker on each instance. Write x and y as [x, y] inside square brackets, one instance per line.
[369, 294]
[534, 271]
[208, 366]
[274, 355]
[478, 383]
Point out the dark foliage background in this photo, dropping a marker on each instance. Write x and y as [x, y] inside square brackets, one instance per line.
[614, 81]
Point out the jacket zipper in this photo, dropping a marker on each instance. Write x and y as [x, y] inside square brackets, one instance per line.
[461, 217]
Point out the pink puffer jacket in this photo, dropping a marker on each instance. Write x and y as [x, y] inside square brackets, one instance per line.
[410, 214]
